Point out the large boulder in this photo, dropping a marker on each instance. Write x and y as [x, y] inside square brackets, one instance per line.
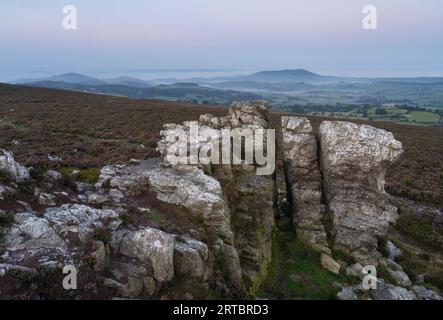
[153, 248]
[354, 159]
[304, 179]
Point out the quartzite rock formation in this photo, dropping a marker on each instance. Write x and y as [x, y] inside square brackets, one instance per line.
[353, 163]
[153, 225]
[304, 180]
[250, 197]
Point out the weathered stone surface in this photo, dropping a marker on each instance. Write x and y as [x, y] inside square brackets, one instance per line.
[31, 234]
[329, 264]
[154, 248]
[81, 220]
[353, 160]
[190, 258]
[46, 199]
[347, 294]
[355, 270]
[9, 166]
[249, 197]
[426, 294]
[400, 278]
[386, 291]
[185, 186]
[392, 250]
[304, 178]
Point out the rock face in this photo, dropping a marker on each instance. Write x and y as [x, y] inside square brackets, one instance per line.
[195, 199]
[353, 161]
[250, 197]
[153, 248]
[304, 179]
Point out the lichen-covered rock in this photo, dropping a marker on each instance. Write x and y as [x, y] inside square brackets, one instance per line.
[153, 248]
[9, 166]
[81, 220]
[30, 234]
[250, 198]
[304, 178]
[386, 291]
[190, 258]
[426, 294]
[59, 237]
[353, 161]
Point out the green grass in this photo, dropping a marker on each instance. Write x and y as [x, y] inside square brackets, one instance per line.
[415, 263]
[421, 229]
[295, 271]
[88, 175]
[423, 116]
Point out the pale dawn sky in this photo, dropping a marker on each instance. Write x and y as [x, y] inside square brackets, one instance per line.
[324, 36]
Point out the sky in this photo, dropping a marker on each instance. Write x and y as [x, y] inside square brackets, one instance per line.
[126, 37]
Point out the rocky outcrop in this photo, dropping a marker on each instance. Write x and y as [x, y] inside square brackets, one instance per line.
[199, 207]
[304, 180]
[250, 197]
[353, 162]
[10, 167]
[150, 226]
[59, 237]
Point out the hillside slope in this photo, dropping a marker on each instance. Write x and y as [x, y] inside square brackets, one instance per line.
[88, 130]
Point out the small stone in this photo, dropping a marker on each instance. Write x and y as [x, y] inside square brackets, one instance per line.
[329, 263]
[54, 175]
[46, 199]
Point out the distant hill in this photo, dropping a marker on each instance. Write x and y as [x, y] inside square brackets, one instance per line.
[283, 88]
[128, 81]
[184, 91]
[295, 75]
[76, 78]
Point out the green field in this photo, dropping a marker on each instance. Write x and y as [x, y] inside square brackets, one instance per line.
[391, 113]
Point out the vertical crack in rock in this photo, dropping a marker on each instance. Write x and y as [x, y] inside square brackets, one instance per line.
[354, 159]
[304, 181]
[250, 197]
